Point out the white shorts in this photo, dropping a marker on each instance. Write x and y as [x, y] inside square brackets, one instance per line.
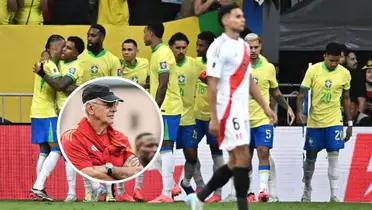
[234, 131]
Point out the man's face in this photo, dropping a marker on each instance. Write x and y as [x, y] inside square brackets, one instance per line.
[201, 47]
[255, 47]
[129, 51]
[351, 61]
[56, 48]
[235, 20]
[95, 38]
[69, 51]
[146, 148]
[103, 112]
[331, 61]
[147, 36]
[369, 75]
[342, 58]
[179, 49]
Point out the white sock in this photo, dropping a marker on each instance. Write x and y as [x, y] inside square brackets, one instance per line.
[87, 185]
[167, 161]
[139, 181]
[198, 178]
[71, 179]
[109, 189]
[272, 179]
[264, 179]
[40, 162]
[309, 167]
[250, 180]
[332, 172]
[48, 166]
[189, 169]
[121, 189]
[218, 161]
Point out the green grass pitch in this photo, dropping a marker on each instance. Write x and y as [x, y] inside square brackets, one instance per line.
[36, 205]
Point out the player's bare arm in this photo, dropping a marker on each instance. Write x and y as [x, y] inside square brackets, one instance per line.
[98, 172]
[59, 83]
[300, 119]
[256, 95]
[279, 98]
[162, 88]
[214, 125]
[346, 104]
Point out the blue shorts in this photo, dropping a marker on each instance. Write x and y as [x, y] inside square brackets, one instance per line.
[262, 136]
[171, 124]
[202, 129]
[186, 137]
[44, 130]
[330, 138]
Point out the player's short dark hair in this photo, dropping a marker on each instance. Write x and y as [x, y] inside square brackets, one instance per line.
[207, 36]
[53, 38]
[100, 28]
[139, 136]
[344, 49]
[78, 42]
[178, 37]
[333, 48]
[226, 10]
[157, 29]
[130, 41]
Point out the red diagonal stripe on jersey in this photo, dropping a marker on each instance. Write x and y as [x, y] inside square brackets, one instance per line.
[235, 80]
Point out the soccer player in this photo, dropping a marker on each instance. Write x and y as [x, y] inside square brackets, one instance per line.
[229, 82]
[68, 80]
[329, 82]
[188, 73]
[262, 132]
[44, 119]
[96, 61]
[165, 90]
[133, 68]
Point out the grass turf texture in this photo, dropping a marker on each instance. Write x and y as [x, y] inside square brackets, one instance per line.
[36, 205]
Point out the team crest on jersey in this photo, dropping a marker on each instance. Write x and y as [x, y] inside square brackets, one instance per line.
[255, 79]
[163, 65]
[135, 79]
[119, 72]
[55, 70]
[94, 69]
[328, 84]
[181, 79]
[72, 70]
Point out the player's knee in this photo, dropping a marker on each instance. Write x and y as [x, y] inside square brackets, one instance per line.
[263, 153]
[215, 150]
[190, 156]
[311, 155]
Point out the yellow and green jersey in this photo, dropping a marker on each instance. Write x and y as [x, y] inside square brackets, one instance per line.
[162, 60]
[137, 73]
[30, 13]
[201, 96]
[188, 74]
[75, 72]
[103, 64]
[4, 13]
[43, 101]
[326, 90]
[264, 75]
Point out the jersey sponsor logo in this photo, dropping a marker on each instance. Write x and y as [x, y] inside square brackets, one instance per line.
[119, 72]
[72, 70]
[94, 148]
[55, 70]
[163, 65]
[94, 69]
[181, 79]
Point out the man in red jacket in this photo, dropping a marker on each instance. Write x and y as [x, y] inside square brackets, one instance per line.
[95, 147]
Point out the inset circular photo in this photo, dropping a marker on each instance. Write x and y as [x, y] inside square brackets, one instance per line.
[110, 130]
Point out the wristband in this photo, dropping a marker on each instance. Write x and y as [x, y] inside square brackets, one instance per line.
[41, 73]
[349, 123]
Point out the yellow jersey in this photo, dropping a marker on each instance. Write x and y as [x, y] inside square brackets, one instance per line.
[137, 73]
[43, 101]
[264, 75]
[114, 12]
[201, 96]
[29, 14]
[188, 74]
[162, 60]
[94, 66]
[326, 90]
[4, 13]
[74, 71]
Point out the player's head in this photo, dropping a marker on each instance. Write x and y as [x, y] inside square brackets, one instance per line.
[178, 43]
[255, 44]
[129, 50]
[351, 60]
[96, 35]
[146, 147]
[153, 31]
[332, 55]
[54, 45]
[100, 104]
[73, 48]
[344, 51]
[203, 42]
[231, 17]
